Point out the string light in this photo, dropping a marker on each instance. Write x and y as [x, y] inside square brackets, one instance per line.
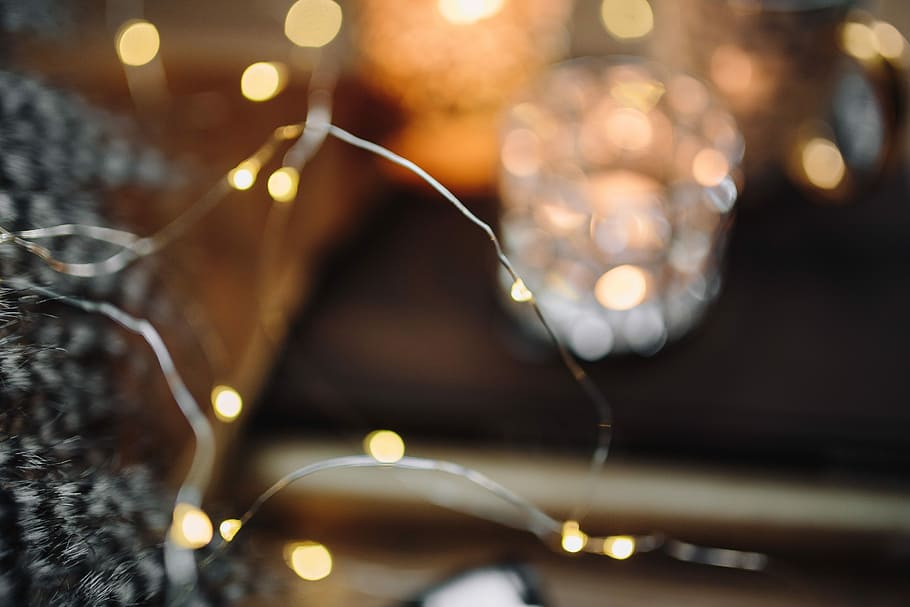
[520, 292]
[243, 176]
[573, 538]
[384, 446]
[263, 80]
[859, 40]
[283, 183]
[619, 547]
[461, 12]
[137, 42]
[823, 163]
[627, 19]
[313, 23]
[229, 528]
[188, 522]
[602, 407]
[227, 403]
[135, 247]
[191, 527]
[890, 43]
[310, 560]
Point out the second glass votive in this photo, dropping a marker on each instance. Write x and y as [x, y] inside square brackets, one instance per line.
[618, 179]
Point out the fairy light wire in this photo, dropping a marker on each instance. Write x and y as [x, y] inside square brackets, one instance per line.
[179, 561]
[602, 406]
[539, 523]
[312, 134]
[133, 246]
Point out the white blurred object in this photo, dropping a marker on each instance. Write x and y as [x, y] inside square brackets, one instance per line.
[618, 179]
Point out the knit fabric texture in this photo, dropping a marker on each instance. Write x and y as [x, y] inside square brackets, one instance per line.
[77, 526]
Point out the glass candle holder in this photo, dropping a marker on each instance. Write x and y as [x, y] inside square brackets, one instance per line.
[618, 180]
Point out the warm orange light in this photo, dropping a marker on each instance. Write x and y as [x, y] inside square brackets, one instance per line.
[622, 288]
[859, 40]
[573, 538]
[619, 547]
[137, 42]
[310, 560]
[229, 528]
[313, 23]
[890, 43]
[823, 163]
[282, 184]
[227, 403]
[191, 527]
[263, 80]
[468, 11]
[384, 446]
[520, 292]
[243, 176]
[709, 167]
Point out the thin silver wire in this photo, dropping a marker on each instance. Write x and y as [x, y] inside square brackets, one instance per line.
[603, 410]
[538, 522]
[180, 563]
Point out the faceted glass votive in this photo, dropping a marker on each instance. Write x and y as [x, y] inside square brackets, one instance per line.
[618, 179]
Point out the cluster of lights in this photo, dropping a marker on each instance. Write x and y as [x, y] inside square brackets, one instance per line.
[138, 44]
[616, 180]
[818, 159]
[574, 540]
[869, 40]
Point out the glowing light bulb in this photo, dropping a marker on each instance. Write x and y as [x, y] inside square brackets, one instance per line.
[313, 23]
[263, 80]
[227, 403]
[137, 42]
[859, 40]
[619, 547]
[191, 527]
[460, 12]
[823, 163]
[243, 176]
[889, 41]
[384, 446]
[310, 560]
[627, 19]
[283, 184]
[622, 288]
[573, 539]
[520, 292]
[709, 167]
[229, 528]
